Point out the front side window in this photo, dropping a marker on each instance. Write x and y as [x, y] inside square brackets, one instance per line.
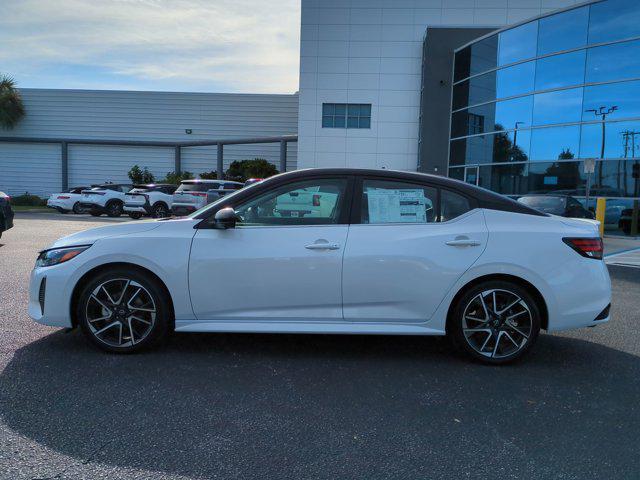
[385, 201]
[313, 202]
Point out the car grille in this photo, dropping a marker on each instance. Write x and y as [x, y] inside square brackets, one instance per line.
[41, 293]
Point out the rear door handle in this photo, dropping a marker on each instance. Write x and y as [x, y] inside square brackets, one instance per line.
[322, 246]
[463, 242]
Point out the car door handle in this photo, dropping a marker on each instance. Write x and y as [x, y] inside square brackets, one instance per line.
[463, 242]
[322, 246]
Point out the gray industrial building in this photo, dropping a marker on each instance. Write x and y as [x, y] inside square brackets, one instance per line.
[137, 116]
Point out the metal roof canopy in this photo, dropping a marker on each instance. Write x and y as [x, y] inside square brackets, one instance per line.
[65, 142]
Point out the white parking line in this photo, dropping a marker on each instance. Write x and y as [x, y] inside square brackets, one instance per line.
[627, 258]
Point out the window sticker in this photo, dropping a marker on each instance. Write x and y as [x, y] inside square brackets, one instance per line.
[397, 206]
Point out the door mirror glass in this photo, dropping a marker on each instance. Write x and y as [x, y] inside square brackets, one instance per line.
[226, 218]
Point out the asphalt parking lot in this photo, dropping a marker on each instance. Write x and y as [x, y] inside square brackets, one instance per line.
[264, 406]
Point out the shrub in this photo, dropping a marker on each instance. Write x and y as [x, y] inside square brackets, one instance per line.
[28, 200]
[242, 170]
[176, 178]
[141, 176]
[212, 175]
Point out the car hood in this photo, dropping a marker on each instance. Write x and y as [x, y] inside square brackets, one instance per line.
[88, 237]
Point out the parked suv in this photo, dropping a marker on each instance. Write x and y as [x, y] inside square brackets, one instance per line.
[154, 200]
[194, 194]
[626, 218]
[106, 198]
[67, 201]
[6, 213]
[562, 205]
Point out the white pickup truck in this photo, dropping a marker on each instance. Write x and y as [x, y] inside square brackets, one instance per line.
[106, 198]
[154, 200]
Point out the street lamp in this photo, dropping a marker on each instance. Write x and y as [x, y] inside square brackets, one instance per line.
[602, 112]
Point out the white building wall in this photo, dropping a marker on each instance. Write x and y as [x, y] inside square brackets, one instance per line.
[370, 51]
[149, 116]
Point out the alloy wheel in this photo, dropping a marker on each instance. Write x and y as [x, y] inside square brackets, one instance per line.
[120, 312]
[497, 323]
[160, 212]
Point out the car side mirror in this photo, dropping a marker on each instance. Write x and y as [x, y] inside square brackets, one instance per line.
[225, 218]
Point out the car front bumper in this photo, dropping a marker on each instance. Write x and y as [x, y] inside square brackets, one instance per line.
[49, 295]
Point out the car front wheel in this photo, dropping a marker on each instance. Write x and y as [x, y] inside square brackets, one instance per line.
[123, 311]
[495, 322]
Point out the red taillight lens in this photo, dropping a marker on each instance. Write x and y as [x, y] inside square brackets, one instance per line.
[62, 197]
[587, 247]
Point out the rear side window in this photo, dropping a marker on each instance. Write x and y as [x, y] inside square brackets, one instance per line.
[452, 205]
[385, 201]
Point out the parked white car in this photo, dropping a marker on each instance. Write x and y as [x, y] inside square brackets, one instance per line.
[154, 200]
[106, 198]
[192, 195]
[67, 201]
[386, 253]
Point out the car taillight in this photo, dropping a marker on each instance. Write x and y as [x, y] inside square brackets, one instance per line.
[316, 200]
[587, 247]
[62, 197]
[199, 194]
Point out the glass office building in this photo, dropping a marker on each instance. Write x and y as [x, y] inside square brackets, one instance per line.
[531, 102]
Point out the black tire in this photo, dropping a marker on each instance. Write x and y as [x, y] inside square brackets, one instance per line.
[76, 208]
[160, 210]
[95, 213]
[61, 210]
[114, 208]
[149, 336]
[479, 333]
[135, 215]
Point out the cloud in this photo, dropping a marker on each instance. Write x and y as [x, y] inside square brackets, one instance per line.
[190, 45]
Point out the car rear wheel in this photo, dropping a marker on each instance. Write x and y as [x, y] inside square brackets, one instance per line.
[495, 322]
[135, 215]
[160, 210]
[123, 311]
[76, 208]
[114, 208]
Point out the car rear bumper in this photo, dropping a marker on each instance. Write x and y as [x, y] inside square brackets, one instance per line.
[131, 208]
[91, 206]
[183, 209]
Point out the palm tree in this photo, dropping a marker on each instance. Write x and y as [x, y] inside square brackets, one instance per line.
[11, 107]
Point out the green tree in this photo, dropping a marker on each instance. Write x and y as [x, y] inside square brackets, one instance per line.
[242, 170]
[212, 175]
[176, 178]
[11, 106]
[141, 176]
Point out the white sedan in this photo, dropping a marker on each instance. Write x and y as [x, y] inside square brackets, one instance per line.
[67, 201]
[333, 251]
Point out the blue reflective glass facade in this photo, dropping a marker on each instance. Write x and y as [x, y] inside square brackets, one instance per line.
[530, 103]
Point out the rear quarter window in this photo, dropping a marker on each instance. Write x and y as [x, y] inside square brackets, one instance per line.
[452, 205]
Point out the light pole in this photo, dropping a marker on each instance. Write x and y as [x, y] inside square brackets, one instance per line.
[602, 112]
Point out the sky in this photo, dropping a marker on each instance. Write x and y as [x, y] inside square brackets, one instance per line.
[239, 46]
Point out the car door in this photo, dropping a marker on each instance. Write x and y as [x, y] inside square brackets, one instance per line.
[282, 262]
[408, 244]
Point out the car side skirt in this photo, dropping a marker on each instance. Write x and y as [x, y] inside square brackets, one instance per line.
[349, 328]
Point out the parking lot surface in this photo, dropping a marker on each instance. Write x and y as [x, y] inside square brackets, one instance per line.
[302, 406]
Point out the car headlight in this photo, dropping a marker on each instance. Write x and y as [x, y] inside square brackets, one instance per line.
[55, 256]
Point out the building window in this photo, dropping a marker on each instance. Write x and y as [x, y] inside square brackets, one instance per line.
[346, 115]
[476, 124]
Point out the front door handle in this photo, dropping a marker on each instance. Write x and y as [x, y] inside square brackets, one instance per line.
[322, 245]
[463, 242]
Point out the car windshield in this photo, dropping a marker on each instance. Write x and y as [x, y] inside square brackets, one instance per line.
[553, 205]
[197, 187]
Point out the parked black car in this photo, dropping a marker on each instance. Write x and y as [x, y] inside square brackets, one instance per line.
[625, 220]
[6, 213]
[562, 205]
